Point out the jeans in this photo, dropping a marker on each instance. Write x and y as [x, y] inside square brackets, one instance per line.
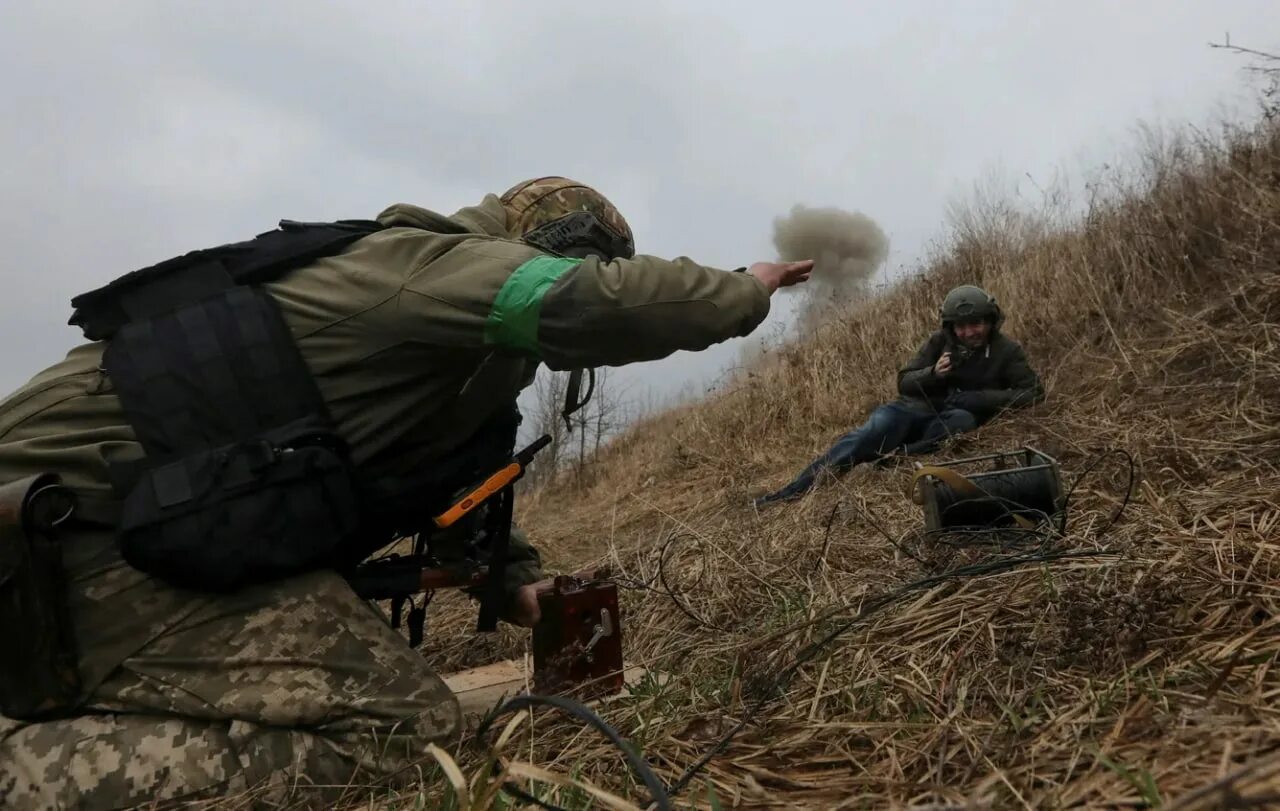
[890, 427]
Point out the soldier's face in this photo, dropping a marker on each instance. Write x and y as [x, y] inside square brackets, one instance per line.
[973, 334]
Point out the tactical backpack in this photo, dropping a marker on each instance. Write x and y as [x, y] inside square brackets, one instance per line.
[244, 477]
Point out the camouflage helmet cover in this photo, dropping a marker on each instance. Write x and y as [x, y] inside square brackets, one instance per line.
[969, 302]
[535, 205]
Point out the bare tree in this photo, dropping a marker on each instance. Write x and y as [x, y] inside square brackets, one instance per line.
[601, 417]
[1266, 66]
[544, 417]
[575, 441]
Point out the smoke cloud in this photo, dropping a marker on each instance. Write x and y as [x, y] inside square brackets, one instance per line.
[847, 247]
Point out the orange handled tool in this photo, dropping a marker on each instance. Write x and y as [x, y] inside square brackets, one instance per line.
[506, 475]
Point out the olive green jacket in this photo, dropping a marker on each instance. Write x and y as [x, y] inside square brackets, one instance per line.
[415, 335]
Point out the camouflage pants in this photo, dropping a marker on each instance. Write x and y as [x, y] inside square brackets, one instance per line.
[290, 692]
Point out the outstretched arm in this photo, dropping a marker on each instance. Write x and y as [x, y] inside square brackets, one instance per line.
[573, 313]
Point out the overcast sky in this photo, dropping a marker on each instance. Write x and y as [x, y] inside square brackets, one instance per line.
[133, 131]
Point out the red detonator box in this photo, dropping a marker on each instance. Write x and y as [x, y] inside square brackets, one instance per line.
[577, 645]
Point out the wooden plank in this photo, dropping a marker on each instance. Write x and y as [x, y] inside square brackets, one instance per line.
[480, 689]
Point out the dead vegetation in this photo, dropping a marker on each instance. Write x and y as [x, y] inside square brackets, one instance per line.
[1143, 677]
[1140, 671]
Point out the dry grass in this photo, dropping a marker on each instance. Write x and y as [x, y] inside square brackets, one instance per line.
[1141, 678]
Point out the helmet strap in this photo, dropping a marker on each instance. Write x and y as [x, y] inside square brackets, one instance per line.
[580, 234]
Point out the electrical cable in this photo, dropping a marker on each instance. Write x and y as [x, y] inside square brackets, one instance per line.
[657, 791]
[1000, 495]
[661, 794]
[870, 608]
[874, 606]
[956, 536]
[660, 575]
[1128, 490]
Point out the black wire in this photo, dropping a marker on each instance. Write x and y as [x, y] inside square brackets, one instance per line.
[874, 606]
[660, 575]
[657, 791]
[989, 534]
[1128, 490]
[1004, 539]
[675, 599]
[1021, 504]
[661, 794]
[974, 570]
[1046, 520]
[525, 797]
[1001, 502]
[895, 544]
[633, 584]
[1007, 541]
[826, 539]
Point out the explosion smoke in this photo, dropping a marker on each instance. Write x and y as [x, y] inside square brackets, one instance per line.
[847, 248]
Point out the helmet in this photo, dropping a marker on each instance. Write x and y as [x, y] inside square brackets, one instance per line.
[968, 303]
[565, 217]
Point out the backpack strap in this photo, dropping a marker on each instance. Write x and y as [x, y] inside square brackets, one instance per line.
[244, 478]
[199, 274]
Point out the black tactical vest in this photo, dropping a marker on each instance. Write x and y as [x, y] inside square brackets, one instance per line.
[244, 477]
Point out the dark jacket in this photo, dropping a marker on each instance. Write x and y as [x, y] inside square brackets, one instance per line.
[993, 378]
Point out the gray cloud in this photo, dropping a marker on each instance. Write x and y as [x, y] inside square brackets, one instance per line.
[138, 130]
[847, 248]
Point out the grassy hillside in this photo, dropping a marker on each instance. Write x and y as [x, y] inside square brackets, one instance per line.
[1144, 673]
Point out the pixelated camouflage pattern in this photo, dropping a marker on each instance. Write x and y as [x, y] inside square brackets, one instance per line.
[291, 691]
[536, 202]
